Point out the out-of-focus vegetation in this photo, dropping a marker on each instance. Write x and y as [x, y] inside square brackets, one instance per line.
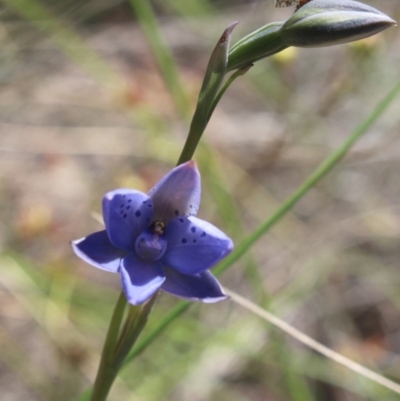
[89, 102]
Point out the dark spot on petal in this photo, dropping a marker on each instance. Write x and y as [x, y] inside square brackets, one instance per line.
[138, 213]
[191, 206]
[124, 197]
[176, 212]
[181, 220]
[184, 240]
[125, 215]
[194, 241]
[128, 207]
[203, 234]
[193, 229]
[129, 200]
[122, 205]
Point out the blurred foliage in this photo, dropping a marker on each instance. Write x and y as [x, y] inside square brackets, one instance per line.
[84, 109]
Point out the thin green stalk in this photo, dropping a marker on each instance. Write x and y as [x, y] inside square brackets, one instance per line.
[148, 21]
[107, 369]
[150, 337]
[136, 321]
[129, 322]
[115, 324]
[105, 378]
[324, 168]
[116, 348]
[213, 78]
[192, 140]
[226, 85]
[210, 163]
[230, 215]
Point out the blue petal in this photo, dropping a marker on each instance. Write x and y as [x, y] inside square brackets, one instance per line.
[194, 245]
[126, 214]
[97, 250]
[202, 287]
[140, 279]
[177, 194]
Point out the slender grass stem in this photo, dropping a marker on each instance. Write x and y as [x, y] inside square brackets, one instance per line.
[321, 171]
[107, 369]
[313, 344]
[226, 85]
[135, 323]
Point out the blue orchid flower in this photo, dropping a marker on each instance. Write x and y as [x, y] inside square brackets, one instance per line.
[155, 241]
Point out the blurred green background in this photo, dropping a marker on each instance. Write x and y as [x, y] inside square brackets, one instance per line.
[92, 99]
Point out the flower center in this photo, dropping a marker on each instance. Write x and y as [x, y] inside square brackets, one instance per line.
[151, 244]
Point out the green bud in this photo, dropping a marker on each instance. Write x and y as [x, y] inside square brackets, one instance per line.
[259, 44]
[215, 73]
[331, 22]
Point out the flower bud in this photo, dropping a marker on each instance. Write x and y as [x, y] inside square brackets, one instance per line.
[331, 22]
[215, 73]
[261, 43]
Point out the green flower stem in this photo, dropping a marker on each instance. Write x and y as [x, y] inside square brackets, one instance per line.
[116, 348]
[192, 140]
[104, 380]
[107, 370]
[150, 337]
[115, 324]
[212, 81]
[196, 131]
[226, 85]
[135, 322]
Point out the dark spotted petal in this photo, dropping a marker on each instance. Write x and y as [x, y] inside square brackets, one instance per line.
[97, 250]
[194, 245]
[126, 214]
[203, 287]
[140, 279]
[177, 194]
